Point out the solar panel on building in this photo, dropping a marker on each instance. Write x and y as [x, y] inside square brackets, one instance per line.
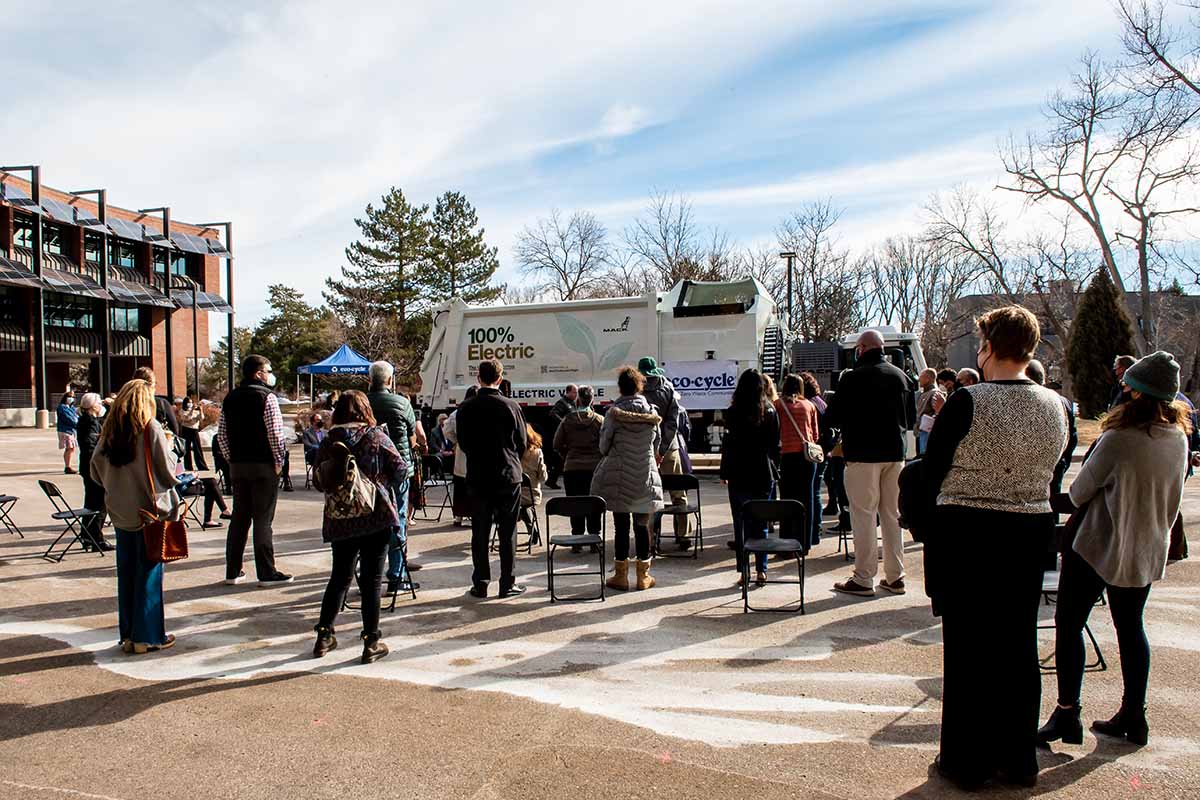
[126, 229]
[14, 273]
[190, 243]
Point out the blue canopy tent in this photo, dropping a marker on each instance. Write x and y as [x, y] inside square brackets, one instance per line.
[344, 361]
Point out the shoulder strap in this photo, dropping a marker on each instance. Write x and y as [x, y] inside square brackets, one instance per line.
[791, 419]
[149, 473]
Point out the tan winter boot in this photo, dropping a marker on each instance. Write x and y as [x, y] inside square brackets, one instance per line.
[644, 579]
[620, 577]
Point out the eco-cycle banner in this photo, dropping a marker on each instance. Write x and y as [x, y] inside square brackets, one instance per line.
[703, 385]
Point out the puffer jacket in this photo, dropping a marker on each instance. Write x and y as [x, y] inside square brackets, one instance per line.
[661, 394]
[533, 464]
[627, 475]
[577, 440]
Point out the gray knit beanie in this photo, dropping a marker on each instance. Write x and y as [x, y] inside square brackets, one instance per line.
[1156, 375]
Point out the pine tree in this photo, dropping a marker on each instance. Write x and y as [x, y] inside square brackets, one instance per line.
[1099, 333]
[382, 277]
[461, 263]
[295, 334]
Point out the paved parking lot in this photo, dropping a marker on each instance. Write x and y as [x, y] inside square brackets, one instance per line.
[672, 692]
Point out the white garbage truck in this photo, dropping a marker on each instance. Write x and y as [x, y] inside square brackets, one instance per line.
[702, 334]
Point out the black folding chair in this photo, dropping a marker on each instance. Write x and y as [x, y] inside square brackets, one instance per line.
[1061, 504]
[436, 477]
[792, 518]
[7, 501]
[75, 519]
[408, 586]
[686, 484]
[191, 496]
[574, 506]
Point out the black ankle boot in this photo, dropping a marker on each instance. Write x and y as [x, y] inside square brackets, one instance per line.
[373, 649]
[1063, 724]
[325, 642]
[1130, 725]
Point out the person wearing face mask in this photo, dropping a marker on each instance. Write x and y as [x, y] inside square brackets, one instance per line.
[987, 470]
[251, 438]
[91, 416]
[67, 420]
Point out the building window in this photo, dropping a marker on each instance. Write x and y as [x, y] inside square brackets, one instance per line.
[160, 260]
[179, 264]
[122, 254]
[68, 311]
[10, 305]
[52, 239]
[22, 231]
[92, 242]
[124, 319]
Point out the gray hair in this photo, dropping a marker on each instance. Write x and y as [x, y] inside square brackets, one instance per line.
[88, 400]
[381, 372]
[583, 397]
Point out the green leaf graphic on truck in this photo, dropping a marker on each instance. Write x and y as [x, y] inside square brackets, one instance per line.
[579, 338]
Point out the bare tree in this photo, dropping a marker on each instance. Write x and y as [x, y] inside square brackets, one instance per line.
[1093, 130]
[627, 276]
[1161, 58]
[672, 246]
[568, 257]
[1163, 162]
[828, 291]
[764, 264]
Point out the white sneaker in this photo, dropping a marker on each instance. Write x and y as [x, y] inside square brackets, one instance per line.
[241, 578]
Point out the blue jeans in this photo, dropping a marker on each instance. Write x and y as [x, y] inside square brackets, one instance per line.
[922, 440]
[400, 532]
[738, 495]
[139, 592]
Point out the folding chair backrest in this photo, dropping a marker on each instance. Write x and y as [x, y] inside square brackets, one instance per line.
[575, 506]
[789, 513]
[433, 467]
[55, 494]
[526, 483]
[680, 483]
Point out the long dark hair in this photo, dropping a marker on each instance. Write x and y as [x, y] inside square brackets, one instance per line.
[352, 406]
[749, 398]
[1145, 411]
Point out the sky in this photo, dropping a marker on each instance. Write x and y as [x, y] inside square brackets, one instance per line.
[289, 117]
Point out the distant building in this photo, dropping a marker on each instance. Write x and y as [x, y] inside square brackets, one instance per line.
[108, 290]
[1177, 319]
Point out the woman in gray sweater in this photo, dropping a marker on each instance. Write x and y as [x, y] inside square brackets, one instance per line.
[1129, 489]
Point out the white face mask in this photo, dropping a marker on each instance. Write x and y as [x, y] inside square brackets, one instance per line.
[271, 379]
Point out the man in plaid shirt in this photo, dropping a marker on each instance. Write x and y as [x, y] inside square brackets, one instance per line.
[251, 438]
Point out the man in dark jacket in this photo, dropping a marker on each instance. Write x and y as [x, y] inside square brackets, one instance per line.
[491, 432]
[564, 407]
[164, 409]
[661, 394]
[1036, 372]
[393, 410]
[251, 437]
[873, 407]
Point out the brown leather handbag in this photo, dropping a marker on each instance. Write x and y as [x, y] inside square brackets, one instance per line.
[166, 539]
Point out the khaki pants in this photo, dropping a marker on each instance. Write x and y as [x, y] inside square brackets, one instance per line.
[875, 489]
[672, 465]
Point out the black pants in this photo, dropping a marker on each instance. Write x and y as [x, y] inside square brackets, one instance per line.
[641, 536]
[371, 552]
[93, 500]
[835, 482]
[576, 483]
[255, 490]
[193, 452]
[212, 496]
[1079, 588]
[798, 481]
[498, 505]
[991, 685]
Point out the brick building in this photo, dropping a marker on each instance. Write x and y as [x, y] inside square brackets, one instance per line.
[108, 290]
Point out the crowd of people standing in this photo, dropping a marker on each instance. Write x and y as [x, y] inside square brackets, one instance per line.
[994, 446]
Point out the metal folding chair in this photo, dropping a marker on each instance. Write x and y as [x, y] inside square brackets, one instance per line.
[686, 484]
[574, 506]
[791, 517]
[436, 477]
[193, 494]
[1061, 504]
[532, 536]
[7, 501]
[401, 586]
[75, 520]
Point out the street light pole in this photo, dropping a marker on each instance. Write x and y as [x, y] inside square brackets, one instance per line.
[228, 226]
[790, 257]
[166, 229]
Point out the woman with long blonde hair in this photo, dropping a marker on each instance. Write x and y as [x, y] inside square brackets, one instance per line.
[119, 465]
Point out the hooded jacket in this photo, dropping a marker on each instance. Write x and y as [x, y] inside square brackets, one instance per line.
[577, 440]
[661, 394]
[627, 475]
